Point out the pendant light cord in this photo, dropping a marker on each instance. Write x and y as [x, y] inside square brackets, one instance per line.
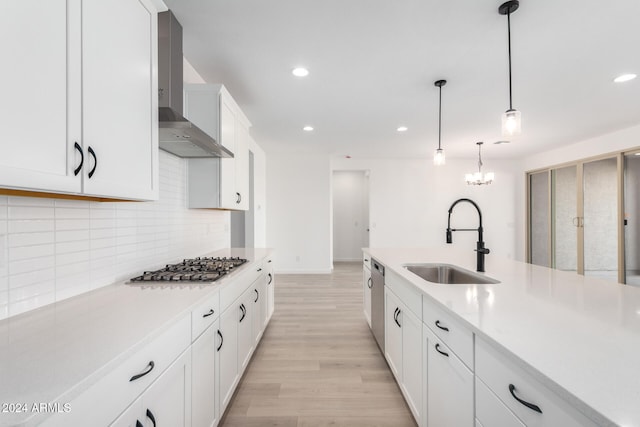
[440, 119]
[509, 44]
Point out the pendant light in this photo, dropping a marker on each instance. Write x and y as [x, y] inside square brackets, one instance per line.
[478, 178]
[511, 119]
[438, 157]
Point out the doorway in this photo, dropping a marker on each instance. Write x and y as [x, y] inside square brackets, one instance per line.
[350, 214]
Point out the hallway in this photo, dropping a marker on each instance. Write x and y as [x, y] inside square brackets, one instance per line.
[318, 364]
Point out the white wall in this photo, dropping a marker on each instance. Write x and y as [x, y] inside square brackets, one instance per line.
[60, 248]
[410, 198]
[259, 194]
[299, 212]
[350, 191]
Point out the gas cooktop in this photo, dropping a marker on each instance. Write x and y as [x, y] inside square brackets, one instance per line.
[193, 270]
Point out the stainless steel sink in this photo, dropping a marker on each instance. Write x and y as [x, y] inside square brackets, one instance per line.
[448, 274]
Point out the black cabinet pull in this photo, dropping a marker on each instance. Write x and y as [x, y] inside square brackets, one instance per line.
[151, 417]
[139, 424]
[369, 282]
[142, 374]
[244, 312]
[221, 340]
[366, 260]
[270, 279]
[269, 261]
[444, 353]
[260, 269]
[444, 328]
[95, 161]
[208, 313]
[512, 390]
[398, 311]
[257, 295]
[238, 198]
[77, 170]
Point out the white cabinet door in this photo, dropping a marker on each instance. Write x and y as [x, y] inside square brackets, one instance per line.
[241, 160]
[132, 417]
[490, 410]
[228, 196]
[393, 334]
[37, 149]
[412, 361]
[245, 328]
[259, 308]
[366, 290]
[271, 285]
[119, 92]
[203, 387]
[227, 355]
[449, 386]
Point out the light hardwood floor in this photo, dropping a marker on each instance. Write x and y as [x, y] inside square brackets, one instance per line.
[318, 364]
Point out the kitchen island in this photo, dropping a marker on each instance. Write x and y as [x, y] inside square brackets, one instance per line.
[579, 337]
[51, 357]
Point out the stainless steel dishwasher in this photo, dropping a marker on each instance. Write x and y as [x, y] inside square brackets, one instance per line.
[377, 302]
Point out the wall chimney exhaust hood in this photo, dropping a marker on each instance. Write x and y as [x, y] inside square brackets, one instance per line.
[177, 135]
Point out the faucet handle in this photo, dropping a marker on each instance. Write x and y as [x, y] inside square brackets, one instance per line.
[483, 250]
[449, 237]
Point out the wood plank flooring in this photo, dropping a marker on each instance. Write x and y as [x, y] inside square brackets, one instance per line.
[318, 364]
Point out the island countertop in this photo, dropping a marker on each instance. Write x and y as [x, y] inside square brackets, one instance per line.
[579, 336]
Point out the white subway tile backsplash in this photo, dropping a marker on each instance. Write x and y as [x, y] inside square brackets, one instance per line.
[58, 248]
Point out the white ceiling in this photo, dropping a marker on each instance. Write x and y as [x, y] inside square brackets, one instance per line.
[372, 66]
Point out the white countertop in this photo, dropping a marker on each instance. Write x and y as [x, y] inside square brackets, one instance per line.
[579, 336]
[57, 351]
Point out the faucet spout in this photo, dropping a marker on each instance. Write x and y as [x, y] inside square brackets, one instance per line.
[481, 251]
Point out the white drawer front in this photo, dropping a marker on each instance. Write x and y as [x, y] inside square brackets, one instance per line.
[491, 411]
[499, 372]
[366, 260]
[450, 330]
[240, 282]
[106, 399]
[204, 315]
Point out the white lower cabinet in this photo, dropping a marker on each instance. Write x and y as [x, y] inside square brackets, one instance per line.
[403, 331]
[228, 373]
[259, 309]
[366, 290]
[166, 402]
[246, 339]
[204, 411]
[449, 385]
[271, 285]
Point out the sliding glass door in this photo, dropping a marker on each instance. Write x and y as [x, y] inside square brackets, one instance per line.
[575, 221]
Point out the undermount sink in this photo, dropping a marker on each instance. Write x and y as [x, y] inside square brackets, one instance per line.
[448, 274]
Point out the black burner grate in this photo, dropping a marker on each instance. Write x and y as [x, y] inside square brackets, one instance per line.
[193, 270]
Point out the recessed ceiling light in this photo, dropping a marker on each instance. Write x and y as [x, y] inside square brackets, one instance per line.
[624, 78]
[300, 72]
[307, 128]
[402, 129]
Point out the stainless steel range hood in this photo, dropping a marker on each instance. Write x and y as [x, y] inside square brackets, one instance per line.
[177, 134]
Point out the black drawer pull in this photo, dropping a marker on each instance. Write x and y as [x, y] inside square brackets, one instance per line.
[243, 311]
[269, 261]
[221, 340]
[238, 198]
[366, 260]
[142, 374]
[151, 417]
[369, 283]
[95, 161]
[270, 279]
[77, 170]
[444, 328]
[444, 353]
[260, 269]
[512, 390]
[139, 424]
[257, 295]
[209, 313]
[398, 311]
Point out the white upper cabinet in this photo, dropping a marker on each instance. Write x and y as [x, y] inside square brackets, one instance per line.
[220, 183]
[80, 98]
[36, 151]
[119, 98]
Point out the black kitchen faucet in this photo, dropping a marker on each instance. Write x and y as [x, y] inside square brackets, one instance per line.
[480, 249]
